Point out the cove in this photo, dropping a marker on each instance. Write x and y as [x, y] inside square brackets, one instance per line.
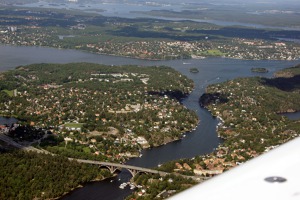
[292, 116]
[198, 142]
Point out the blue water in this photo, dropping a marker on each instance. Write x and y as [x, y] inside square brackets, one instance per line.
[7, 121]
[292, 116]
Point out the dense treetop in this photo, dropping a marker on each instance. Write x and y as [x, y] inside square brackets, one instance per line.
[26, 176]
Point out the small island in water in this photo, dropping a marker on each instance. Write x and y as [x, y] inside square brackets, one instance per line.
[194, 70]
[259, 70]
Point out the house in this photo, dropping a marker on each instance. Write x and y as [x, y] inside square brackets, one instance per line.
[205, 172]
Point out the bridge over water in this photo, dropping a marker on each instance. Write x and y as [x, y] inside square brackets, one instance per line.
[112, 167]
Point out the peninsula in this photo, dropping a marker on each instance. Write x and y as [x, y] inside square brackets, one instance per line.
[107, 113]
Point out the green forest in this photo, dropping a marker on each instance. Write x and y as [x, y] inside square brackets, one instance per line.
[27, 176]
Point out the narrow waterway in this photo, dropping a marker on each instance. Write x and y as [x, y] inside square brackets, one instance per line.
[7, 121]
[200, 141]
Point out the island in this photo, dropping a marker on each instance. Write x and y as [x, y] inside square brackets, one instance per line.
[194, 70]
[259, 70]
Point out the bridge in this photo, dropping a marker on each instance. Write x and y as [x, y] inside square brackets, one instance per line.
[112, 167]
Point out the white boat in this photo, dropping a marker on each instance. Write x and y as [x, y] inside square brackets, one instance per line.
[123, 185]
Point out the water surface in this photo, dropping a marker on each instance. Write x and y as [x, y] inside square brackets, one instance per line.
[293, 116]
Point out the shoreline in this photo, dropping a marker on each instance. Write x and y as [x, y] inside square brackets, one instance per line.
[83, 185]
[147, 59]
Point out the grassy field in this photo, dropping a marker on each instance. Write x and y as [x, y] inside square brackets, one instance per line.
[212, 52]
[9, 92]
[74, 125]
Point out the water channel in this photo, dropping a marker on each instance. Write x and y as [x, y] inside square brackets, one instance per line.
[200, 141]
[7, 121]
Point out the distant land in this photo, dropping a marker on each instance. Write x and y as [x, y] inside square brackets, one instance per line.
[270, 13]
[143, 38]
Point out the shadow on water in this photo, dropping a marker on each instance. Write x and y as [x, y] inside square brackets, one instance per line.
[282, 83]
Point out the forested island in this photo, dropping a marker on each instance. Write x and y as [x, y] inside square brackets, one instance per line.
[250, 124]
[259, 70]
[94, 111]
[194, 70]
